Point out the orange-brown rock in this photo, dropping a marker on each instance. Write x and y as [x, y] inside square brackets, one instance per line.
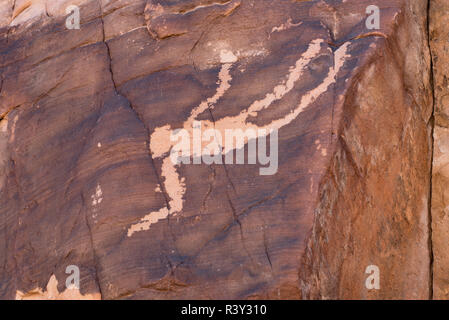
[86, 176]
[439, 39]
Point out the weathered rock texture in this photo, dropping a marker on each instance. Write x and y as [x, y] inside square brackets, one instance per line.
[373, 207]
[85, 173]
[439, 39]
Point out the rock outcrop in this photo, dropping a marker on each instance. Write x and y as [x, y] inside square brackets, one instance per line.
[91, 121]
[439, 39]
[374, 201]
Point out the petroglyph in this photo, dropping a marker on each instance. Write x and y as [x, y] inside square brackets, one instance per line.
[98, 196]
[285, 26]
[162, 144]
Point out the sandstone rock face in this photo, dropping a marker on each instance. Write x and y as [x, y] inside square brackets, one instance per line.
[373, 207]
[439, 39]
[87, 176]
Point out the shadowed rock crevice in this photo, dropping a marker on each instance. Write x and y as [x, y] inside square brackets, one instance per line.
[133, 109]
[432, 123]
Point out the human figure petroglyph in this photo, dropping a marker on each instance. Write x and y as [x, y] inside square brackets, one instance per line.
[161, 143]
